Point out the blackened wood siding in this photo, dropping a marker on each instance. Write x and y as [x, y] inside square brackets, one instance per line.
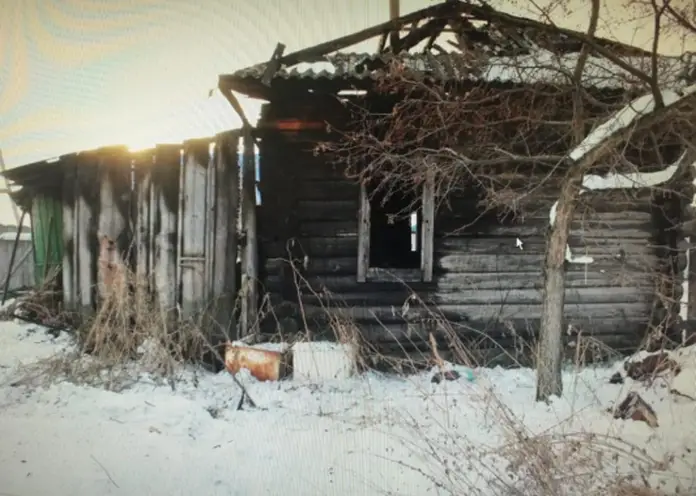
[484, 284]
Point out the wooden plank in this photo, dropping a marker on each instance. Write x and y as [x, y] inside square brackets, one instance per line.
[342, 228]
[498, 297]
[69, 272]
[325, 189]
[508, 246]
[86, 233]
[317, 52]
[225, 238]
[317, 247]
[143, 221]
[249, 322]
[317, 266]
[428, 227]
[526, 262]
[497, 335]
[483, 313]
[194, 229]
[328, 210]
[537, 227]
[363, 235]
[453, 282]
[165, 194]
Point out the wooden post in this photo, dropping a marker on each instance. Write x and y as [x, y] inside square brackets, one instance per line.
[250, 258]
[428, 227]
[393, 9]
[363, 234]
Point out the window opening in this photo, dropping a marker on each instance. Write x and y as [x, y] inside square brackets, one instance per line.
[395, 228]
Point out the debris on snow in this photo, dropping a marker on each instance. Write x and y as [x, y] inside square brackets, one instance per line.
[263, 364]
[636, 408]
[651, 366]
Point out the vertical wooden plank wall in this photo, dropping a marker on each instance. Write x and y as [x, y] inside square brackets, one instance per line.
[181, 231]
[248, 319]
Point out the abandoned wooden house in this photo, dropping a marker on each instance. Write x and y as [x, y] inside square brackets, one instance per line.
[327, 245]
[320, 251]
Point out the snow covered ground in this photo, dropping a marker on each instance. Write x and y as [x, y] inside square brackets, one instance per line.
[367, 435]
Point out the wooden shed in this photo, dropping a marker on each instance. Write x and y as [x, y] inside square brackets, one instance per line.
[168, 215]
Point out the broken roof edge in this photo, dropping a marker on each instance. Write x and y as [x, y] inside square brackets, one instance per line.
[539, 68]
[279, 66]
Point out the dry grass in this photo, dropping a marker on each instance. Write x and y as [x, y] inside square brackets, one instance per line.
[561, 460]
[127, 337]
[130, 335]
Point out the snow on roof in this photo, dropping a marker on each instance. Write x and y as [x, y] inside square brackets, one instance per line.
[541, 66]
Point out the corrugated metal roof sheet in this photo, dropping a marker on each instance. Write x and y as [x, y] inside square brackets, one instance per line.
[540, 67]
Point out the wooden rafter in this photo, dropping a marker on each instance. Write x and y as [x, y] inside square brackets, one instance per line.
[315, 53]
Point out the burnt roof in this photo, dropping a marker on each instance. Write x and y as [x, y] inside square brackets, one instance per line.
[488, 46]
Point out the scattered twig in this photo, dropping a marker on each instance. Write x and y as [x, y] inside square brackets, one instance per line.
[105, 471]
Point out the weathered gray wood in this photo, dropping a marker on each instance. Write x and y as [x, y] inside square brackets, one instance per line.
[487, 297]
[225, 233]
[538, 227]
[143, 222]
[479, 246]
[195, 228]
[250, 260]
[363, 235]
[454, 282]
[524, 262]
[69, 272]
[86, 232]
[115, 188]
[482, 313]
[165, 194]
[428, 227]
[486, 334]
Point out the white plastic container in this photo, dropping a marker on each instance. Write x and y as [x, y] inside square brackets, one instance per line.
[322, 360]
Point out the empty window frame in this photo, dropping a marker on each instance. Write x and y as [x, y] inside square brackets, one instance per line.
[395, 234]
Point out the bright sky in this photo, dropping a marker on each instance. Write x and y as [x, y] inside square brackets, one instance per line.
[78, 74]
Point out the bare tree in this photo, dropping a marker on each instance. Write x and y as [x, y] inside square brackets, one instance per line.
[559, 121]
[642, 113]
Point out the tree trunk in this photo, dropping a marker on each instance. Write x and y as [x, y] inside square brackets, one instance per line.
[550, 353]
